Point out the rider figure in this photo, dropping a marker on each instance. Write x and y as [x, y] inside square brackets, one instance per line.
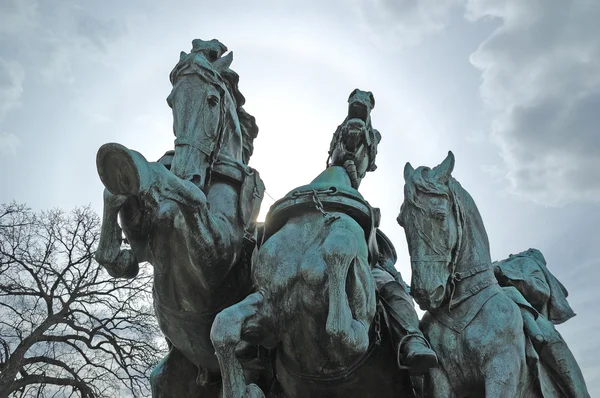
[543, 303]
[352, 139]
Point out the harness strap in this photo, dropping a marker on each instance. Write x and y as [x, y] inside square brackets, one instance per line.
[446, 258]
[223, 166]
[459, 276]
[472, 291]
[205, 149]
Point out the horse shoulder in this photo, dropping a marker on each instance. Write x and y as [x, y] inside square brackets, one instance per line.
[497, 327]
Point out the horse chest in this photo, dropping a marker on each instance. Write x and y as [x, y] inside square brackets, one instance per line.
[312, 270]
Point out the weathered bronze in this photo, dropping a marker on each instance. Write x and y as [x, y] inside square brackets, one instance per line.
[315, 299]
[309, 304]
[475, 326]
[191, 215]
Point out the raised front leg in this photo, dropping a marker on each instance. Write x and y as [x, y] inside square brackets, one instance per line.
[340, 252]
[119, 263]
[241, 322]
[211, 235]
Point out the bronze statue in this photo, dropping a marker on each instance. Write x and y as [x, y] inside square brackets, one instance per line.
[315, 299]
[309, 304]
[475, 326]
[191, 215]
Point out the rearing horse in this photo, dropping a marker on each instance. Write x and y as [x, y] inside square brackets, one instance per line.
[474, 326]
[315, 298]
[191, 215]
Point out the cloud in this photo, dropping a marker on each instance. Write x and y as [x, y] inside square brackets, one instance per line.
[540, 77]
[403, 22]
[53, 36]
[12, 76]
[9, 143]
[17, 16]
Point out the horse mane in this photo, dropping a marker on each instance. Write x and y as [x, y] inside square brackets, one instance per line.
[206, 60]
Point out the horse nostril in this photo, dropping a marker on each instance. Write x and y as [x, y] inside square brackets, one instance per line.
[420, 294]
[196, 179]
[438, 294]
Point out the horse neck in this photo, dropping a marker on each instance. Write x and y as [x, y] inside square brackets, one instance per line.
[229, 142]
[474, 251]
[334, 175]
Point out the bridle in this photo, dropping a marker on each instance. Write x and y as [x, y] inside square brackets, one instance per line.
[444, 256]
[212, 152]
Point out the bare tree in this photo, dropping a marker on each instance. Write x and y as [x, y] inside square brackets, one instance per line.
[66, 327]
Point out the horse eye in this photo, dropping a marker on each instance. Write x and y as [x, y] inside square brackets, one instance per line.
[212, 100]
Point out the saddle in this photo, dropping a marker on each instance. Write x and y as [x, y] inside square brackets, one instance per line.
[326, 198]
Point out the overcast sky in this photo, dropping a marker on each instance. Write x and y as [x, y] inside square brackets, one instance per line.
[511, 87]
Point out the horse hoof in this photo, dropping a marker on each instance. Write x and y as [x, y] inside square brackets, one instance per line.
[119, 169]
[253, 391]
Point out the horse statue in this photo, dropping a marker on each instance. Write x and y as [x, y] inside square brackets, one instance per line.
[315, 302]
[478, 329]
[191, 215]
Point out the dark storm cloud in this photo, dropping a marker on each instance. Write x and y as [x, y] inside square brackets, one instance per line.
[541, 78]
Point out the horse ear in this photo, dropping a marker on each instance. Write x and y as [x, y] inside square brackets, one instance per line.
[182, 55]
[443, 171]
[223, 63]
[408, 170]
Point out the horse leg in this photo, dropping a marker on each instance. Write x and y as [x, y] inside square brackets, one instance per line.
[437, 385]
[119, 263]
[503, 372]
[127, 172]
[241, 322]
[175, 377]
[339, 252]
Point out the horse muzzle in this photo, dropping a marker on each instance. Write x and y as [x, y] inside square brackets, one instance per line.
[428, 285]
[427, 300]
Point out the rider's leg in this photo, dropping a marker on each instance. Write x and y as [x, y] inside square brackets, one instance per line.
[412, 349]
[556, 355]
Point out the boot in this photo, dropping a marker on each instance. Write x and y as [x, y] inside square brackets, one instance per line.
[411, 347]
[416, 354]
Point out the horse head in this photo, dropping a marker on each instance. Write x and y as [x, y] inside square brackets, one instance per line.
[446, 238]
[428, 216]
[354, 143]
[209, 122]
